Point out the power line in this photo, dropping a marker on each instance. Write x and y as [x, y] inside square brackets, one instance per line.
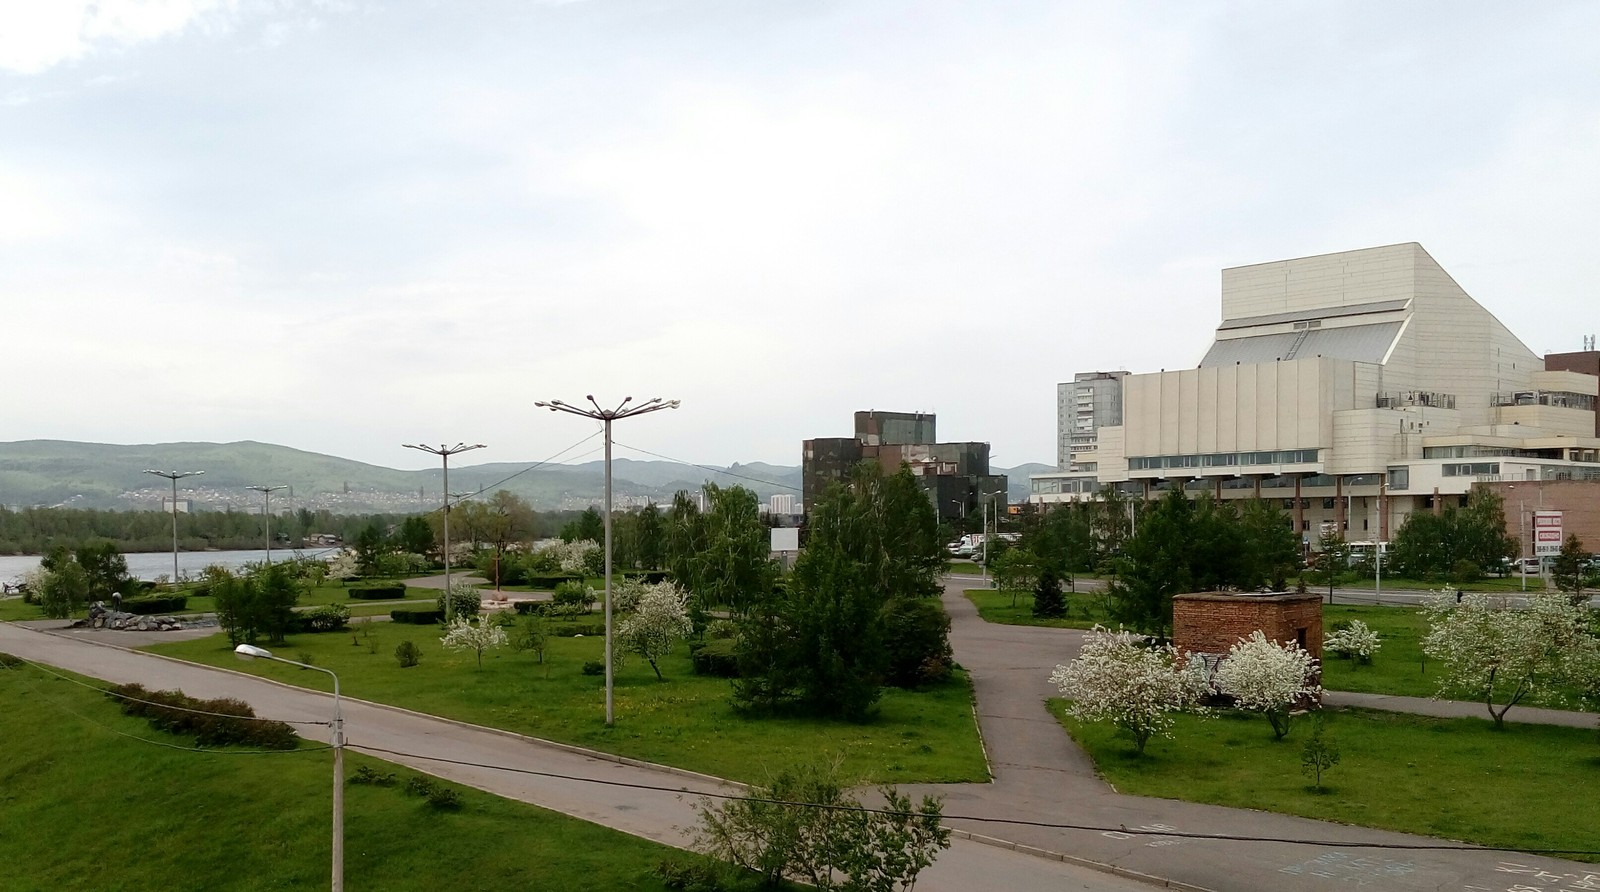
[1092, 828]
[722, 471]
[171, 746]
[533, 467]
[112, 693]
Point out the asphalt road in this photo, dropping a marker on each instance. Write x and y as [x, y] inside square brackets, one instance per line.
[660, 816]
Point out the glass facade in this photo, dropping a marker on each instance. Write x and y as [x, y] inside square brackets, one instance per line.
[1223, 459]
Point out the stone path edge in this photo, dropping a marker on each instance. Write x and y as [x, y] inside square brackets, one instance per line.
[1100, 866]
[978, 838]
[536, 741]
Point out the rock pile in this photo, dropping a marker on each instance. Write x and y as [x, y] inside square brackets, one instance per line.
[101, 617]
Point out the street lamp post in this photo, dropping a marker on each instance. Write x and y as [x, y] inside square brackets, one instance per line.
[444, 452]
[1377, 545]
[251, 652]
[606, 416]
[266, 512]
[175, 476]
[988, 502]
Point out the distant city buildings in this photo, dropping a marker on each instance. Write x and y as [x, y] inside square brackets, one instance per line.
[1084, 405]
[955, 476]
[782, 503]
[1356, 387]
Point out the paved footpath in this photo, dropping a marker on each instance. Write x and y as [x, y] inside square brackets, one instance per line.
[1042, 776]
[659, 816]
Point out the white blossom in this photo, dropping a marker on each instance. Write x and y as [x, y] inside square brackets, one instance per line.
[476, 635]
[1355, 640]
[1122, 678]
[1499, 650]
[1267, 677]
[571, 556]
[660, 621]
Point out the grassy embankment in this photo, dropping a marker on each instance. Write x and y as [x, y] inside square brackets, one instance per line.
[1451, 778]
[685, 720]
[94, 810]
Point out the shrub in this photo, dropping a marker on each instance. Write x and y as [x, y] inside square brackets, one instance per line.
[438, 795]
[717, 657]
[546, 582]
[722, 628]
[574, 598]
[578, 630]
[918, 642]
[366, 774]
[528, 608]
[149, 605]
[211, 722]
[378, 591]
[407, 654]
[7, 661]
[464, 601]
[690, 876]
[775, 835]
[594, 667]
[1352, 639]
[417, 616]
[329, 618]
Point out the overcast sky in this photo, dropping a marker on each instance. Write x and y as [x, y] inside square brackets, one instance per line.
[344, 225]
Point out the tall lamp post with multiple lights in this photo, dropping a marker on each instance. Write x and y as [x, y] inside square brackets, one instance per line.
[266, 511]
[606, 416]
[175, 476]
[444, 452]
[251, 652]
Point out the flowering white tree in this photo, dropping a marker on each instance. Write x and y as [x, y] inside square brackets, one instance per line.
[1267, 677]
[1123, 678]
[477, 635]
[1355, 640]
[343, 565]
[572, 557]
[626, 593]
[660, 621]
[1499, 651]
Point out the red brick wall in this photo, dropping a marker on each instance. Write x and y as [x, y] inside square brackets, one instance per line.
[1577, 500]
[1214, 622]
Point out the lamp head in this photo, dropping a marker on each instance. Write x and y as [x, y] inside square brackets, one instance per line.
[251, 652]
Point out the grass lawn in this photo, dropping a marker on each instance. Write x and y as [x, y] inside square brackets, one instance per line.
[685, 720]
[1084, 609]
[1452, 778]
[94, 810]
[1489, 584]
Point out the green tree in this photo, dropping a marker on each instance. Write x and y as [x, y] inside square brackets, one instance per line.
[733, 564]
[416, 536]
[63, 591]
[371, 544]
[1048, 602]
[1270, 548]
[589, 525]
[684, 540]
[1155, 566]
[1333, 560]
[1571, 566]
[255, 604]
[649, 544]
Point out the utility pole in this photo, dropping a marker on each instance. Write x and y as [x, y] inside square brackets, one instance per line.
[444, 452]
[266, 512]
[606, 416]
[175, 476]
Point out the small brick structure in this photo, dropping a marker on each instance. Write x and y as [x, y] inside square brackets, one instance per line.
[1210, 623]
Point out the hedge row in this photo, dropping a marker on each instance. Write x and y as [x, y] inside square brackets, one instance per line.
[418, 616]
[715, 657]
[378, 591]
[149, 605]
[212, 722]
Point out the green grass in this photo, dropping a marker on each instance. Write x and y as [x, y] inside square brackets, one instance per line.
[1084, 609]
[967, 568]
[1489, 584]
[686, 720]
[1452, 778]
[88, 809]
[13, 610]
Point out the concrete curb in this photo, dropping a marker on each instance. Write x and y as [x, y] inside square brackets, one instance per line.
[1100, 866]
[536, 741]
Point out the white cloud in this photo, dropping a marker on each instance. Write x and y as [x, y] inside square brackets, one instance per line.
[36, 36]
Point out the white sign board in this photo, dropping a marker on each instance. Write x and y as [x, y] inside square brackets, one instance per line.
[785, 539]
[1546, 533]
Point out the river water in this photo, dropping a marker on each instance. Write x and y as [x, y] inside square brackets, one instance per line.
[149, 565]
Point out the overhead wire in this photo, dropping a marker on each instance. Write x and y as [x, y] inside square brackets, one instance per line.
[723, 471]
[1048, 825]
[159, 743]
[533, 467]
[110, 692]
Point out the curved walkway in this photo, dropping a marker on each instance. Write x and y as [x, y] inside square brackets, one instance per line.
[1042, 776]
[663, 816]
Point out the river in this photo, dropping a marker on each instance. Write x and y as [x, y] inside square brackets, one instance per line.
[149, 565]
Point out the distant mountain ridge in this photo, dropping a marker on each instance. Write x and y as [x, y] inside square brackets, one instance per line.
[99, 475]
